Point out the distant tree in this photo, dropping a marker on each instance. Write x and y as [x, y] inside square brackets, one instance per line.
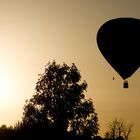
[128, 130]
[6, 132]
[60, 102]
[119, 129]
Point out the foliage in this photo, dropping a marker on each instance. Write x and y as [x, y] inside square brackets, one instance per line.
[59, 103]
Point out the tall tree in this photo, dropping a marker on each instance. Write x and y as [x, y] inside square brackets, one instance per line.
[60, 102]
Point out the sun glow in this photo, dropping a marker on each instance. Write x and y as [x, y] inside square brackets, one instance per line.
[6, 89]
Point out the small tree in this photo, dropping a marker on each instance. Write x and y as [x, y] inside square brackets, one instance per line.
[128, 130]
[59, 102]
[118, 129]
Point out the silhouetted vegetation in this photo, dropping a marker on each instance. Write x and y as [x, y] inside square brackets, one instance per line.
[7, 132]
[59, 105]
[59, 110]
[119, 129]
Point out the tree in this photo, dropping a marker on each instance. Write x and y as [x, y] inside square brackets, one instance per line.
[119, 129]
[128, 130]
[60, 102]
[6, 132]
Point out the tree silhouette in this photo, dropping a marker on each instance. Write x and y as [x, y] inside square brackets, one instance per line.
[119, 129]
[6, 132]
[59, 103]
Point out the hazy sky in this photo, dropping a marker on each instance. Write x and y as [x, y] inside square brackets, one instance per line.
[33, 32]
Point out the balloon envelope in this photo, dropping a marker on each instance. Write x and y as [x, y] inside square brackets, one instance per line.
[119, 42]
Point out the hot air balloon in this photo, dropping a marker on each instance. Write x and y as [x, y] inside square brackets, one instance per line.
[119, 42]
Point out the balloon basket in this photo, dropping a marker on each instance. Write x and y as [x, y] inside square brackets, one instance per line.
[125, 84]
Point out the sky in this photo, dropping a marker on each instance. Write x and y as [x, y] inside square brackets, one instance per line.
[34, 32]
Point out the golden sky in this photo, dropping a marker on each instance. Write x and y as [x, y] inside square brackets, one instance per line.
[33, 32]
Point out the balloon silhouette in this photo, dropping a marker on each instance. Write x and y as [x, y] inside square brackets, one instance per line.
[119, 42]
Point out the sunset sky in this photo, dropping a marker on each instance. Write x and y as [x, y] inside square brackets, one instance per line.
[34, 32]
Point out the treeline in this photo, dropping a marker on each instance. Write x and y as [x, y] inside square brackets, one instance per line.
[118, 129]
[37, 132]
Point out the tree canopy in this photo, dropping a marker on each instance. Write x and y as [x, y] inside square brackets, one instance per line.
[59, 102]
